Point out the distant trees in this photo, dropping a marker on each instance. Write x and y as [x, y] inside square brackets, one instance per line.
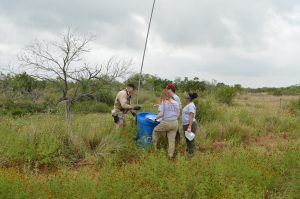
[19, 93]
[20, 84]
[5, 82]
[222, 92]
[25, 83]
[191, 85]
[290, 90]
[149, 82]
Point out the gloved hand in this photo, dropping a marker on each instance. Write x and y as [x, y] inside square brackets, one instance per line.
[116, 118]
[133, 114]
[136, 108]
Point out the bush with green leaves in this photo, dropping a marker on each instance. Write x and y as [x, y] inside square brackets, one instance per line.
[106, 97]
[25, 83]
[226, 94]
[207, 110]
[20, 106]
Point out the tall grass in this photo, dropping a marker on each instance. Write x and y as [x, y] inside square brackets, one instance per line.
[41, 140]
[219, 122]
[37, 161]
[234, 173]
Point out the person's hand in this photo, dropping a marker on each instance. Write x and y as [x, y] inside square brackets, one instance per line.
[152, 118]
[116, 118]
[137, 108]
[189, 129]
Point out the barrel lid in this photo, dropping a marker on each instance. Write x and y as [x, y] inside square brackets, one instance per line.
[144, 117]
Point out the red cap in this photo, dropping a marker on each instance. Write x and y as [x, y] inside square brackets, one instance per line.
[171, 87]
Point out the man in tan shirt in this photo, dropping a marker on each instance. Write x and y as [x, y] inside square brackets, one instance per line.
[122, 106]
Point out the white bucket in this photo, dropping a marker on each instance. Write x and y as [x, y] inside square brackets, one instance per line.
[189, 135]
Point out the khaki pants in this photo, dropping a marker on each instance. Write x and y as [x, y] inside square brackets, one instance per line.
[121, 121]
[169, 127]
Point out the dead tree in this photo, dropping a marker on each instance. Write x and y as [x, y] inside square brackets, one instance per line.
[63, 64]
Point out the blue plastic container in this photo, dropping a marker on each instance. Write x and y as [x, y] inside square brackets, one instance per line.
[145, 129]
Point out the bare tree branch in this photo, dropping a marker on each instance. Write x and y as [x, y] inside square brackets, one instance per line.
[63, 64]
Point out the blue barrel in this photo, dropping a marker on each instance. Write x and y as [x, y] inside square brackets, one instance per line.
[145, 129]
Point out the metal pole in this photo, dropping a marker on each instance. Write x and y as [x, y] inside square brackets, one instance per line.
[145, 47]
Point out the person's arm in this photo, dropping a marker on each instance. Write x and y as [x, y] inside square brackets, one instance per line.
[191, 120]
[177, 99]
[123, 101]
[159, 115]
[161, 111]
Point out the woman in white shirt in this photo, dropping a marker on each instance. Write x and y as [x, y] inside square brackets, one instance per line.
[189, 122]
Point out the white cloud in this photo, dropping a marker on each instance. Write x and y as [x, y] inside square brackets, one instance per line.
[255, 43]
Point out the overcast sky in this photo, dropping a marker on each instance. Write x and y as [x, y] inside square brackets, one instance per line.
[252, 42]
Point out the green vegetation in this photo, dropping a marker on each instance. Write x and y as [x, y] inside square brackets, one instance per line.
[248, 140]
[295, 107]
[248, 145]
[232, 173]
[290, 90]
[225, 94]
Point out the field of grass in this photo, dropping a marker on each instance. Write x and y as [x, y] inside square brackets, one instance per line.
[248, 150]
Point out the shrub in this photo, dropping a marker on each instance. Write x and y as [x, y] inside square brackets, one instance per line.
[225, 94]
[277, 92]
[24, 83]
[206, 110]
[21, 107]
[105, 97]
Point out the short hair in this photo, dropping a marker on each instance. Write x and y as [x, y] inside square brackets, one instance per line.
[193, 96]
[131, 85]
